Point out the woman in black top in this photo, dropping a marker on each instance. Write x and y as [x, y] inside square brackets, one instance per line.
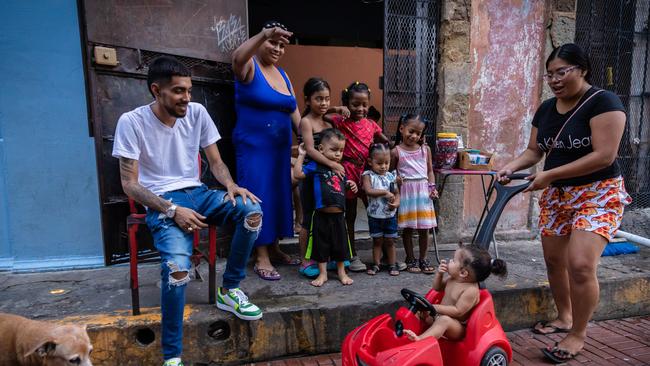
[579, 130]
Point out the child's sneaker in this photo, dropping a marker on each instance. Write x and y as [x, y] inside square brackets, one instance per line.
[236, 302]
[173, 362]
[356, 265]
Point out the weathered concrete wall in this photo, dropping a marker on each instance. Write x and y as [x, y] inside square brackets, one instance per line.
[492, 55]
[453, 87]
[507, 46]
[560, 29]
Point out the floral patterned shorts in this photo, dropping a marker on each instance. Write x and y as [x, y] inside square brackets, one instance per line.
[596, 207]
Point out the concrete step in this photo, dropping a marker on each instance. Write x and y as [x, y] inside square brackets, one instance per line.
[298, 318]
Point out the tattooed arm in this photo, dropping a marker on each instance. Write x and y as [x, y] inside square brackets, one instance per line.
[187, 219]
[133, 188]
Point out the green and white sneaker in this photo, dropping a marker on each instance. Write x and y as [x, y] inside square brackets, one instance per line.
[173, 362]
[236, 302]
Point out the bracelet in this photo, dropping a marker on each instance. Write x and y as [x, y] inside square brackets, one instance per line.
[432, 185]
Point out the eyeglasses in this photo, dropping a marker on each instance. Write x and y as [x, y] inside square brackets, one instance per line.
[559, 74]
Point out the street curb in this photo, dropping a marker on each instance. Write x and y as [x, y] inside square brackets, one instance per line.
[122, 339]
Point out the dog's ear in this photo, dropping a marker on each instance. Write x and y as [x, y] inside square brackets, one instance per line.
[42, 349]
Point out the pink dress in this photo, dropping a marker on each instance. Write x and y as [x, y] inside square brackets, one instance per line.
[416, 208]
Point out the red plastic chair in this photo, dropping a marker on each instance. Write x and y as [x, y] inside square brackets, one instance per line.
[133, 222]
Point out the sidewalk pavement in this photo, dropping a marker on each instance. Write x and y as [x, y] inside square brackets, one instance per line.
[299, 319]
[610, 342]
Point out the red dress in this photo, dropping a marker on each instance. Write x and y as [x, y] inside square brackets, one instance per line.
[359, 136]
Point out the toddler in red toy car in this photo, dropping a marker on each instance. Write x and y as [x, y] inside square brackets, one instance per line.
[469, 266]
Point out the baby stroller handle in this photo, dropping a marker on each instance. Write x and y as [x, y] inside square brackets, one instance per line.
[488, 222]
[518, 176]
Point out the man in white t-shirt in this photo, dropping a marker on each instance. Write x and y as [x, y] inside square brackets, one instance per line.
[158, 146]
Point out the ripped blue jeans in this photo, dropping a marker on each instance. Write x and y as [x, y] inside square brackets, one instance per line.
[175, 247]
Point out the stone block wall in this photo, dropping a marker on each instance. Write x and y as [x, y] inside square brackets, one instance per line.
[454, 75]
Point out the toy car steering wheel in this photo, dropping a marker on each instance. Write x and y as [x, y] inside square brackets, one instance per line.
[418, 302]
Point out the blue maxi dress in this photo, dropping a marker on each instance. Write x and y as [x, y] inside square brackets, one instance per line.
[262, 140]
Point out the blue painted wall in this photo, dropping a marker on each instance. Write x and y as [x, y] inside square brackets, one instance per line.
[50, 215]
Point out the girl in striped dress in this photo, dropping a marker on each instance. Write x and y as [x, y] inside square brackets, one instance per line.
[412, 159]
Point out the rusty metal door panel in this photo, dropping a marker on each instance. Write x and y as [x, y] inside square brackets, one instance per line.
[206, 29]
[137, 34]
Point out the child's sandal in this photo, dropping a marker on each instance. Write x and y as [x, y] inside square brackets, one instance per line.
[425, 267]
[373, 270]
[412, 266]
[393, 270]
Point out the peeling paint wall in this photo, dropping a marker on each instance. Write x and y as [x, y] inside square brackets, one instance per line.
[506, 50]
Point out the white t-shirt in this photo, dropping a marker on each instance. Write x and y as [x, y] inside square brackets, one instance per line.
[167, 156]
[378, 206]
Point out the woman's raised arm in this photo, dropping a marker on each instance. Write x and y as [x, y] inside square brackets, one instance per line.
[242, 57]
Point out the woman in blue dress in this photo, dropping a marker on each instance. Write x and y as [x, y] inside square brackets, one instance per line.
[266, 109]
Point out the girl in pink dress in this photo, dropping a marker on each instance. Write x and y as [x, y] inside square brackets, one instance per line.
[412, 159]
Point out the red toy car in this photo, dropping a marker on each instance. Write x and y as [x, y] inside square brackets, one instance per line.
[381, 342]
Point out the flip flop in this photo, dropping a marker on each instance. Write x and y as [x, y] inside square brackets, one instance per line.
[310, 270]
[267, 274]
[393, 270]
[373, 270]
[537, 328]
[558, 355]
[331, 265]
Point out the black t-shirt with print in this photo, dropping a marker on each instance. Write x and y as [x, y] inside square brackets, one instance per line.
[329, 188]
[575, 140]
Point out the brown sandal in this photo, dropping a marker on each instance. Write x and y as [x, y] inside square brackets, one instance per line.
[412, 266]
[425, 267]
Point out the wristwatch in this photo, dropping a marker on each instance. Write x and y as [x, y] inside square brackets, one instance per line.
[171, 211]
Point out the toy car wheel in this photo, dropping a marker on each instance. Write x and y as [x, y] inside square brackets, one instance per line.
[495, 356]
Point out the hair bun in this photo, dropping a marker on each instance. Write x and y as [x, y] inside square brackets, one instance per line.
[499, 267]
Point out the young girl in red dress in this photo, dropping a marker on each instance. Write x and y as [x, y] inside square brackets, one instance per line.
[360, 133]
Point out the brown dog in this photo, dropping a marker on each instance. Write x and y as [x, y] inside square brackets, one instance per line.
[25, 342]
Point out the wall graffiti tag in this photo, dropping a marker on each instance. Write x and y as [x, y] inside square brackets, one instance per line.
[230, 32]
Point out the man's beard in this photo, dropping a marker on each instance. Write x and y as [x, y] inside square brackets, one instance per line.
[172, 112]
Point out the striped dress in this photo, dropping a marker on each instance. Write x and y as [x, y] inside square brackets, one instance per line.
[416, 208]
